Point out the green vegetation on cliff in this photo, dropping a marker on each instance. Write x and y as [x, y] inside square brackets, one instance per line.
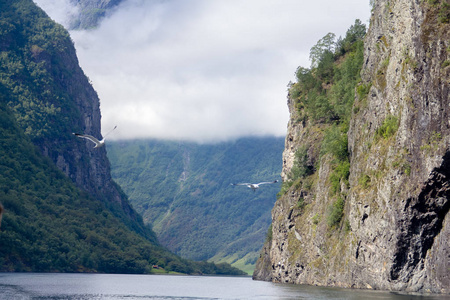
[325, 93]
[31, 59]
[386, 226]
[324, 96]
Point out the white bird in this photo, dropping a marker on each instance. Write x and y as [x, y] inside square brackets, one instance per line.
[98, 143]
[255, 186]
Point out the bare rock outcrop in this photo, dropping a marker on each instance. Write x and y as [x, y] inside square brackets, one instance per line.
[396, 233]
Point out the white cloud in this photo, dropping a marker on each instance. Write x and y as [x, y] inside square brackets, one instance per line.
[61, 11]
[204, 70]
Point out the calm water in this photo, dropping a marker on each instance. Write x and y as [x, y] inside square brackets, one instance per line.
[129, 287]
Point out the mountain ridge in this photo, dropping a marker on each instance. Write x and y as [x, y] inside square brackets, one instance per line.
[184, 191]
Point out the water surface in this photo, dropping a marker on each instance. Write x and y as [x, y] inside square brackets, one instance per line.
[130, 287]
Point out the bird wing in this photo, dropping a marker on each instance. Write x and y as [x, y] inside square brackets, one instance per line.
[88, 137]
[247, 184]
[110, 131]
[267, 182]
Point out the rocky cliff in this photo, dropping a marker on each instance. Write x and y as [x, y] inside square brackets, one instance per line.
[394, 232]
[51, 98]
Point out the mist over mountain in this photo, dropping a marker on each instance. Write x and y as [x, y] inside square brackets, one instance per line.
[203, 71]
[62, 210]
[89, 13]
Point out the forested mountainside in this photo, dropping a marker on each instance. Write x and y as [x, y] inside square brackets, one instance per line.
[183, 190]
[366, 196]
[62, 210]
[51, 225]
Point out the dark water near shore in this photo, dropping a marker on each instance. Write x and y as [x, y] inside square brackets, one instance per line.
[130, 287]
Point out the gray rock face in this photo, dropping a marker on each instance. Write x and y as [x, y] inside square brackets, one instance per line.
[397, 217]
[89, 168]
[51, 98]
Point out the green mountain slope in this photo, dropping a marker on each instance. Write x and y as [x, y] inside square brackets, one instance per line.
[183, 190]
[50, 225]
[62, 211]
[51, 97]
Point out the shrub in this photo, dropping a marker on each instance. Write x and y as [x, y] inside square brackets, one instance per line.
[347, 227]
[364, 181]
[340, 172]
[388, 128]
[335, 142]
[316, 219]
[336, 212]
[444, 12]
[301, 203]
[363, 90]
[269, 234]
[407, 168]
[285, 186]
[300, 168]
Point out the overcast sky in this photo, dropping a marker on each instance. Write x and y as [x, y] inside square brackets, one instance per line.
[202, 70]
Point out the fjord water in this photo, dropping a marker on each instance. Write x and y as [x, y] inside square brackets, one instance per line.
[130, 287]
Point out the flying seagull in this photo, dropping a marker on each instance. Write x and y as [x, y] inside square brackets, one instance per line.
[255, 186]
[98, 143]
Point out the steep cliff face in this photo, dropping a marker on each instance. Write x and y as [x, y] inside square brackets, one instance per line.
[51, 98]
[394, 233]
[401, 216]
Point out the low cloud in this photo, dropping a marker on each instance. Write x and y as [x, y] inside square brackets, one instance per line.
[61, 11]
[201, 70]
